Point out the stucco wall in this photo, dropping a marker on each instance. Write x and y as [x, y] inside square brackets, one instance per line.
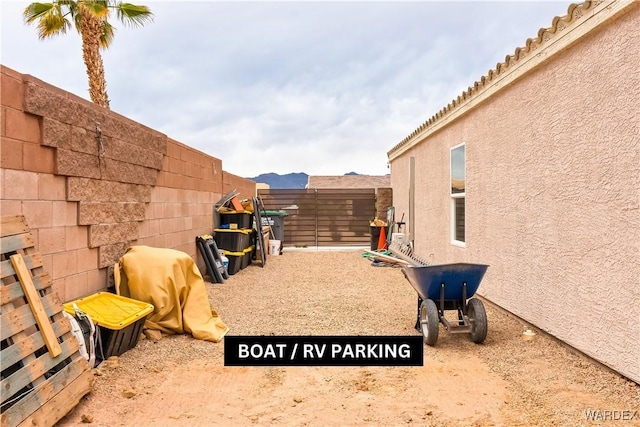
[91, 183]
[552, 194]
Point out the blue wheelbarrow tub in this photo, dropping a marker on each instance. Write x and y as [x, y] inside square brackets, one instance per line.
[426, 280]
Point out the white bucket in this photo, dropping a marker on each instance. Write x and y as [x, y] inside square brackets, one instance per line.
[274, 247]
[225, 262]
[398, 238]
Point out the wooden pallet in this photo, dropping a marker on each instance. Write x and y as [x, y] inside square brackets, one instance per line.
[43, 375]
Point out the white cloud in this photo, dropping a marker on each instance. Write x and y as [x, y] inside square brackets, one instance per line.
[316, 87]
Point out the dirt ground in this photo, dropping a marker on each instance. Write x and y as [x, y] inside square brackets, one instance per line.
[506, 381]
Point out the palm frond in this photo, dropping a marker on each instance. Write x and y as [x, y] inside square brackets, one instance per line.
[106, 38]
[134, 15]
[77, 19]
[35, 11]
[49, 17]
[98, 9]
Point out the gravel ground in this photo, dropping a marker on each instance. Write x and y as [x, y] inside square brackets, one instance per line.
[504, 381]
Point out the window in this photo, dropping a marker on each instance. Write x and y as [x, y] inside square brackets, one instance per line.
[457, 194]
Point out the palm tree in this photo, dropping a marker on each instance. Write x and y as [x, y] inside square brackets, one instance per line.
[90, 18]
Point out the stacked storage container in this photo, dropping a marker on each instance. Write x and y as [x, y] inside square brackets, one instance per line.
[119, 319]
[236, 220]
[235, 239]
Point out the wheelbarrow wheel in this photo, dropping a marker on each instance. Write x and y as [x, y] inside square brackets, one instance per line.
[429, 322]
[478, 317]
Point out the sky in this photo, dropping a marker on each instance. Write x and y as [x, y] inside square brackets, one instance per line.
[324, 88]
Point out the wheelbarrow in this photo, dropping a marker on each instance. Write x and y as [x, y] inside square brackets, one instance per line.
[448, 287]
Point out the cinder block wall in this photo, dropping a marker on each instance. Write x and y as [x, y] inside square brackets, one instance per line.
[245, 187]
[91, 183]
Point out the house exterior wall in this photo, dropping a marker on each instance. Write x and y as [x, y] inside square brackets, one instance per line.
[552, 193]
[85, 205]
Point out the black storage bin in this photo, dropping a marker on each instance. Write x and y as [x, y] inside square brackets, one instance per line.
[375, 236]
[114, 343]
[235, 261]
[119, 321]
[246, 258]
[241, 219]
[232, 240]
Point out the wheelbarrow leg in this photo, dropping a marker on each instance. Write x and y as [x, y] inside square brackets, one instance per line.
[462, 311]
[418, 326]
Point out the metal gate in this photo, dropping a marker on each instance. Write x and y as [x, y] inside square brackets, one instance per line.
[323, 217]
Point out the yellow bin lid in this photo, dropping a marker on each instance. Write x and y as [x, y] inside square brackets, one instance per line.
[233, 230]
[241, 253]
[110, 310]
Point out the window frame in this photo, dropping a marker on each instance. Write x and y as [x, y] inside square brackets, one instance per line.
[454, 197]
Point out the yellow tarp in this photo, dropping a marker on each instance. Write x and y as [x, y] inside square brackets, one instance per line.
[171, 281]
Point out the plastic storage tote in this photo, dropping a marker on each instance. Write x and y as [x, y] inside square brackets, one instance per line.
[232, 240]
[238, 260]
[119, 320]
[239, 219]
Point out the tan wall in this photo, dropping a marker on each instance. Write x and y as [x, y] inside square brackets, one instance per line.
[552, 195]
[349, 181]
[245, 187]
[84, 205]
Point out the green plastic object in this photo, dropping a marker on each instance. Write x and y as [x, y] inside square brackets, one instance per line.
[273, 213]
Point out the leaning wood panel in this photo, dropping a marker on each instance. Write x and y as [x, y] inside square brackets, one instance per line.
[31, 261]
[21, 318]
[13, 291]
[53, 399]
[38, 387]
[13, 224]
[14, 243]
[29, 345]
[33, 299]
[37, 368]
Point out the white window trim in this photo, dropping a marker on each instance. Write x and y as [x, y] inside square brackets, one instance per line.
[452, 203]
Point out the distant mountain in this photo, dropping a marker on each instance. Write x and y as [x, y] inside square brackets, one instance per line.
[290, 180]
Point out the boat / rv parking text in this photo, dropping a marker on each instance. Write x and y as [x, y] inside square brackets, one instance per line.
[318, 351]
